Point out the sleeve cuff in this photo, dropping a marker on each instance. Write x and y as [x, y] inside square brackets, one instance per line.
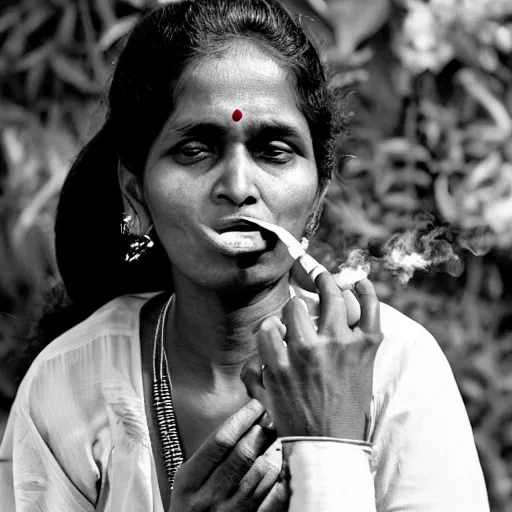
[329, 476]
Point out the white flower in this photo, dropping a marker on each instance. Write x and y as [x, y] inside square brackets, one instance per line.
[422, 44]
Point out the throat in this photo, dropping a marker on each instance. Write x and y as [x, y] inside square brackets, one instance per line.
[211, 353]
[211, 380]
[200, 412]
[214, 337]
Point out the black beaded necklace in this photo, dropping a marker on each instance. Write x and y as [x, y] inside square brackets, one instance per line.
[162, 401]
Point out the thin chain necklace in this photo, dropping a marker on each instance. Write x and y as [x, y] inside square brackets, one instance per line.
[162, 401]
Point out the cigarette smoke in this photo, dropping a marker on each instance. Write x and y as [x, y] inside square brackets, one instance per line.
[357, 266]
[422, 247]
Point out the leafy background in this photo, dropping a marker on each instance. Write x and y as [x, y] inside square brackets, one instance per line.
[431, 98]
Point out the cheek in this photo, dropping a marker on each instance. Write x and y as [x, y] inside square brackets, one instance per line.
[169, 199]
[296, 199]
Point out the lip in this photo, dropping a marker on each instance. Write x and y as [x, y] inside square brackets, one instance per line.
[234, 224]
[241, 224]
[292, 244]
[233, 243]
[233, 236]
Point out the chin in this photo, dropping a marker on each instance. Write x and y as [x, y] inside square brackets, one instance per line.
[244, 278]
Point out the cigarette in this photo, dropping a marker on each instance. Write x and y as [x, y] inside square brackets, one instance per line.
[295, 250]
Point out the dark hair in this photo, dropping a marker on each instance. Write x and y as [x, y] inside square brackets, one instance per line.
[90, 248]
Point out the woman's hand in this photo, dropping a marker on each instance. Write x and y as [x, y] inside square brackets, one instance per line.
[231, 471]
[299, 276]
[321, 383]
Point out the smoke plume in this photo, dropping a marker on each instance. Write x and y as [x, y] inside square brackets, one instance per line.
[424, 246]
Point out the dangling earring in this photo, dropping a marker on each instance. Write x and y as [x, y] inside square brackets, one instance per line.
[304, 243]
[140, 245]
[138, 248]
[125, 225]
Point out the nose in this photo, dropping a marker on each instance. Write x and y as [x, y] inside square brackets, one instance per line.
[235, 184]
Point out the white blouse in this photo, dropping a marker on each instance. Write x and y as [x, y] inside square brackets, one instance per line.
[77, 438]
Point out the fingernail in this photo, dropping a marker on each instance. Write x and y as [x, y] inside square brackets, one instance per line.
[303, 302]
[282, 329]
[266, 422]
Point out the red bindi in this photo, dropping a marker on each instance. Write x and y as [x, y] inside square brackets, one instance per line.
[237, 115]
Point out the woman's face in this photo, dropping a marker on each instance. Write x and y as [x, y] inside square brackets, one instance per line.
[204, 168]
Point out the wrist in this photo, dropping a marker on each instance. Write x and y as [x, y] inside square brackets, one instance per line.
[357, 429]
[353, 432]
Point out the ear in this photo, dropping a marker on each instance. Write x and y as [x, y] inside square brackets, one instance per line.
[134, 203]
[323, 193]
[314, 216]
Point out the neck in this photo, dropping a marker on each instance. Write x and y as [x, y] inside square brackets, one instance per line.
[211, 335]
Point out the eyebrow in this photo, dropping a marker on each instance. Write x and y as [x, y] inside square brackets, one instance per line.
[258, 129]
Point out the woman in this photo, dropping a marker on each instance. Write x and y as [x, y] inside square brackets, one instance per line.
[219, 109]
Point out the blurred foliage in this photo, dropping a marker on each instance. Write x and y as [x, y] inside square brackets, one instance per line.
[431, 132]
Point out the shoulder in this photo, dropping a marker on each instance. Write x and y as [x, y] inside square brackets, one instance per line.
[83, 394]
[408, 348]
[413, 384]
[106, 338]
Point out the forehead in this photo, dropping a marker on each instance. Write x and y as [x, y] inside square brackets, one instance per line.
[246, 78]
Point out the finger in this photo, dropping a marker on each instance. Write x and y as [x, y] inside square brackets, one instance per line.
[255, 485]
[280, 326]
[266, 421]
[251, 378]
[221, 443]
[300, 330]
[333, 310]
[353, 308]
[277, 499]
[270, 343]
[300, 276]
[226, 477]
[281, 329]
[370, 307]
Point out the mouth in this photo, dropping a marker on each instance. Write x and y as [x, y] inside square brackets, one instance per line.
[239, 229]
[237, 225]
[292, 244]
[294, 247]
[235, 236]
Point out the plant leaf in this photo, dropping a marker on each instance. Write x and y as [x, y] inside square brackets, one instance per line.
[34, 80]
[343, 23]
[117, 31]
[71, 71]
[67, 24]
[35, 57]
[445, 201]
[16, 41]
[401, 201]
[9, 19]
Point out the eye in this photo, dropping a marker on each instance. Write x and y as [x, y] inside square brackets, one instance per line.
[277, 152]
[191, 152]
